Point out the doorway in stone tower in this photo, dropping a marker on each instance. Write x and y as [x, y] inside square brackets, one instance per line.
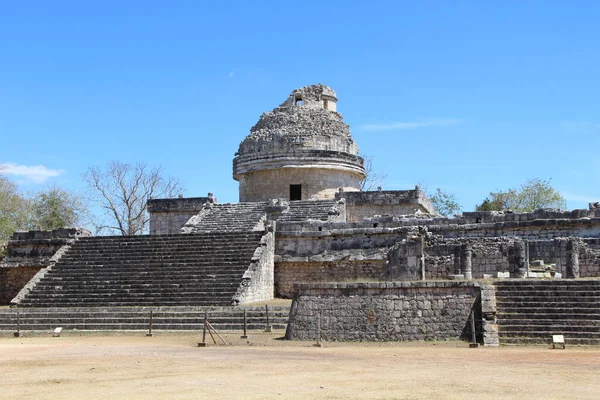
[295, 192]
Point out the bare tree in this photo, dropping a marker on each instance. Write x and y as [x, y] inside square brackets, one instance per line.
[372, 179]
[122, 191]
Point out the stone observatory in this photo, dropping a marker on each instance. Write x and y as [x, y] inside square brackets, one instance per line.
[300, 150]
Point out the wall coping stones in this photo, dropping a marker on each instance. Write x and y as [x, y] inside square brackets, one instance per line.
[387, 285]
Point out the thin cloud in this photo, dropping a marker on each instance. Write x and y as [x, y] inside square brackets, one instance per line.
[411, 125]
[579, 197]
[231, 74]
[30, 173]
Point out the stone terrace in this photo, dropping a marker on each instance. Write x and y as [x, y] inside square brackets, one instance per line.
[165, 270]
[531, 311]
[138, 318]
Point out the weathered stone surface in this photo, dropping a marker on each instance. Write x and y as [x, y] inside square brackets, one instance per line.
[387, 311]
[302, 142]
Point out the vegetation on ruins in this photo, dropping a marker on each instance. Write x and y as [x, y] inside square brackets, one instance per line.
[530, 196]
[122, 191]
[445, 203]
[48, 209]
[56, 208]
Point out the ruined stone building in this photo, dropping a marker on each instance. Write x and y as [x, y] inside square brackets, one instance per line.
[377, 265]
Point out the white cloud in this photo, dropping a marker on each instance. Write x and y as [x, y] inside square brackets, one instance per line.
[411, 125]
[231, 74]
[30, 174]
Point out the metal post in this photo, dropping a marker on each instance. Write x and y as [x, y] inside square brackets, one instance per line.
[268, 328]
[473, 343]
[18, 332]
[245, 335]
[203, 343]
[318, 344]
[149, 334]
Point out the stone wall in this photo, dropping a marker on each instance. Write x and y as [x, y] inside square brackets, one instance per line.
[170, 215]
[317, 183]
[258, 282]
[12, 280]
[362, 205]
[289, 273]
[28, 253]
[390, 311]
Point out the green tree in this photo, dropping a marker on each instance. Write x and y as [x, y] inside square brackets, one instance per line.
[56, 208]
[445, 203]
[14, 211]
[531, 195]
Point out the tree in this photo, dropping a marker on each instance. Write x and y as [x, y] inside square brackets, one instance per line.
[372, 179]
[13, 210]
[445, 203]
[530, 196]
[122, 191]
[56, 208]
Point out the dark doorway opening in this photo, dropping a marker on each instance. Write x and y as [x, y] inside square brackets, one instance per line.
[295, 192]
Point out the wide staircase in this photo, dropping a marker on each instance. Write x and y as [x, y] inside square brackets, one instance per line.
[301, 211]
[531, 311]
[139, 318]
[231, 217]
[157, 270]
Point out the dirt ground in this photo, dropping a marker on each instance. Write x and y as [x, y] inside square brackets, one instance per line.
[168, 365]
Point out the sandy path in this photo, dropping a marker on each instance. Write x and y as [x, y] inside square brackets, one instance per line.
[171, 366]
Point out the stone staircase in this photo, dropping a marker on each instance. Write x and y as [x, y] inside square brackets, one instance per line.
[138, 318]
[155, 270]
[531, 311]
[229, 217]
[303, 210]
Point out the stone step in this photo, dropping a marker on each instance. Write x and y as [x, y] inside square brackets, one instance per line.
[542, 318]
[569, 341]
[536, 309]
[101, 302]
[546, 333]
[588, 301]
[570, 326]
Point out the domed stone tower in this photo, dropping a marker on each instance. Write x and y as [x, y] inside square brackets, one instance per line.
[301, 150]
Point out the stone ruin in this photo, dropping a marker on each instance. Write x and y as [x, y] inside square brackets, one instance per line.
[377, 265]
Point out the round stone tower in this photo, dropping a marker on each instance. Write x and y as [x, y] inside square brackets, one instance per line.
[301, 150]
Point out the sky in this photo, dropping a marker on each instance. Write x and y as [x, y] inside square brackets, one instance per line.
[466, 96]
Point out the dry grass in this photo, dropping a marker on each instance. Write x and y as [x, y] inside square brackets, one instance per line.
[172, 366]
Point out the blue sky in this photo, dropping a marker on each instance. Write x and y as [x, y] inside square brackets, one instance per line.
[468, 96]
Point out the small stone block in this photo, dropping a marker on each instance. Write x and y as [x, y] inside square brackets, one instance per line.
[473, 345]
[18, 334]
[269, 329]
[317, 345]
[202, 344]
[57, 332]
[244, 337]
[149, 335]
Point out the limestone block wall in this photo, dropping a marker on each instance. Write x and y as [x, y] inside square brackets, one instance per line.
[537, 229]
[317, 183]
[555, 252]
[28, 253]
[12, 280]
[289, 273]
[168, 216]
[384, 311]
[362, 205]
[488, 256]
